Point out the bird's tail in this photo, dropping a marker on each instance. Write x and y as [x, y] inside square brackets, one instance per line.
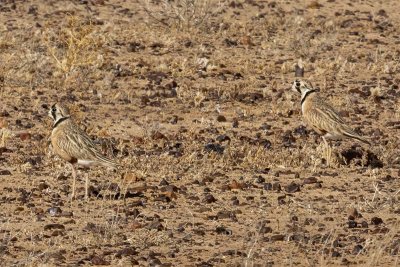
[352, 134]
[107, 162]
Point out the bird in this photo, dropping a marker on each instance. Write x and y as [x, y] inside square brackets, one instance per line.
[74, 145]
[321, 116]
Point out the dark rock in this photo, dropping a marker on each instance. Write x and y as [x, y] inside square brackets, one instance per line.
[357, 249]
[230, 43]
[135, 47]
[155, 224]
[265, 230]
[265, 127]
[97, 260]
[301, 130]
[356, 153]
[376, 221]
[276, 186]
[156, 77]
[373, 161]
[292, 188]
[223, 137]
[278, 237]
[126, 252]
[5, 172]
[214, 148]
[164, 182]
[260, 179]
[209, 199]
[226, 215]
[364, 224]
[352, 224]
[221, 230]
[265, 143]
[310, 180]
[43, 186]
[281, 200]
[221, 118]
[235, 123]
[52, 226]
[267, 186]
[288, 139]
[91, 227]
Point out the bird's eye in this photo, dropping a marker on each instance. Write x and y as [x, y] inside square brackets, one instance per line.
[298, 84]
[53, 109]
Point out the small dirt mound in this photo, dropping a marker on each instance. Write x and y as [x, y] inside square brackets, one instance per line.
[356, 154]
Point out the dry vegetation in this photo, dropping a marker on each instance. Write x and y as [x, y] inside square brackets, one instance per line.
[192, 97]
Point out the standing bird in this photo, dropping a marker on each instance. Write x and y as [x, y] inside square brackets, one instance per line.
[321, 117]
[73, 145]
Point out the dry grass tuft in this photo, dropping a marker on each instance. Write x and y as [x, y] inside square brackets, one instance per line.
[75, 47]
[181, 14]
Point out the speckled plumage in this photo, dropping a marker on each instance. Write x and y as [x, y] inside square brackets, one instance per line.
[321, 116]
[72, 144]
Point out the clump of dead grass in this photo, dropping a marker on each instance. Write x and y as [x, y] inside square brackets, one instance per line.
[181, 14]
[5, 134]
[145, 238]
[75, 47]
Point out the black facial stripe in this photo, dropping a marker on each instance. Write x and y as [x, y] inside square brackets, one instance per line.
[306, 95]
[53, 111]
[59, 121]
[297, 86]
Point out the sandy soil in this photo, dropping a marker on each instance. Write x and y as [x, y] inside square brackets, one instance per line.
[218, 168]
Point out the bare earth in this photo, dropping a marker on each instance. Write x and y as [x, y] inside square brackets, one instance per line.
[217, 166]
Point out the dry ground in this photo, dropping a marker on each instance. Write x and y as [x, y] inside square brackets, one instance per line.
[194, 101]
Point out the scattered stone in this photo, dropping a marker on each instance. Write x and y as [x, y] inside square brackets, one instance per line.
[236, 185]
[214, 148]
[267, 186]
[43, 185]
[357, 249]
[97, 260]
[376, 221]
[309, 221]
[221, 118]
[209, 199]
[281, 200]
[135, 47]
[260, 180]
[24, 136]
[352, 224]
[126, 252]
[54, 211]
[5, 172]
[354, 214]
[226, 215]
[223, 138]
[235, 123]
[310, 180]
[221, 230]
[53, 226]
[276, 186]
[292, 188]
[155, 224]
[278, 237]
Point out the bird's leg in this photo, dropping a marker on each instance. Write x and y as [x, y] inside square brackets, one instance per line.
[73, 182]
[328, 152]
[87, 187]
